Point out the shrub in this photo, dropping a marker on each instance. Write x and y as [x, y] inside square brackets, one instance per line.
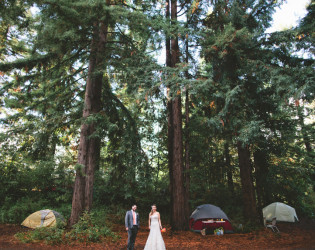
[87, 230]
[51, 236]
[17, 211]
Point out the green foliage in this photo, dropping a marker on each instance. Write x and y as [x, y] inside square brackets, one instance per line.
[250, 87]
[15, 211]
[308, 204]
[27, 187]
[90, 228]
[52, 236]
[248, 227]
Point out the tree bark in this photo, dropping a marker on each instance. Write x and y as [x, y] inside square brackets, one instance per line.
[89, 147]
[169, 112]
[187, 135]
[179, 220]
[249, 200]
[261, 172]
[187, 157]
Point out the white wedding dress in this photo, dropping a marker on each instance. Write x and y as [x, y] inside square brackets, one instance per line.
[155, 240]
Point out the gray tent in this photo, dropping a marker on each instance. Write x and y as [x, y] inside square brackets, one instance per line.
[208, 211]
[281, 211]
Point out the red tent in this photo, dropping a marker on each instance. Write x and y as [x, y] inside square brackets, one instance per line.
[210, 217]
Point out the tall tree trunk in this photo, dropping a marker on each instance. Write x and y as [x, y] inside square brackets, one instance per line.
[249, 200]
[187, 157]
[187, 136]
[261, 172]
[179, 221]
[89, 147]
[228, 167]
[170, 131]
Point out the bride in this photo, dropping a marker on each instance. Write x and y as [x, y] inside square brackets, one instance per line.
[155, 240]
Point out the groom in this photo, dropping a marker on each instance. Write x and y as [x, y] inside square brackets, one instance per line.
[132, 224]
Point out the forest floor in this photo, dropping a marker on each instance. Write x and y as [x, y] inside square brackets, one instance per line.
[292, 236]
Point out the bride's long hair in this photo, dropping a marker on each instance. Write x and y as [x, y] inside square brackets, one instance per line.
[151, 213]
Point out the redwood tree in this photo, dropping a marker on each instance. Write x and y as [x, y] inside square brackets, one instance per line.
[233, 44]
[248, 191]
[179, 202]
[89, 147]
[68, 53]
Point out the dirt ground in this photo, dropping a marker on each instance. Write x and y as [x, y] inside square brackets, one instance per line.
[292, 236]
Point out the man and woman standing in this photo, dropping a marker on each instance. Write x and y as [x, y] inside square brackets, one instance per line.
[155, 239]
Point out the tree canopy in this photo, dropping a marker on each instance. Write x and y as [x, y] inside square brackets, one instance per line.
[90, 114]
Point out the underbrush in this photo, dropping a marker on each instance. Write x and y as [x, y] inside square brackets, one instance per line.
[90, 228]
[241, 225]
[52, 236]
[15, 211]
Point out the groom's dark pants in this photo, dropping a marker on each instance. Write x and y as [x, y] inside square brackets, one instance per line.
[132, 234]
